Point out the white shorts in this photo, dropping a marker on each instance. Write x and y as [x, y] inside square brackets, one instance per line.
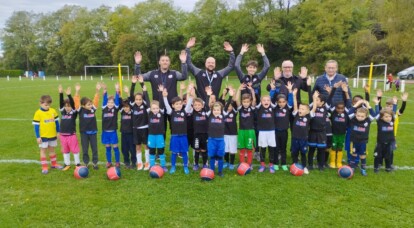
[267, 138]
[45, 145]
[230, 144]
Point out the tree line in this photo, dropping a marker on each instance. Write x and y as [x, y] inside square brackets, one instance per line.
[309, 32]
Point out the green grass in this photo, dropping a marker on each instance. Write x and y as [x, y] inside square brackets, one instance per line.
[319, 199]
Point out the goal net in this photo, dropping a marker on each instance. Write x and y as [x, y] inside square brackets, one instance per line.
[105, 66]
[379, 74]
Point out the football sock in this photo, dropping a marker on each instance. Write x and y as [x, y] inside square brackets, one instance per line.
[232, 158]
[205, 157]
[117, 157]
[196, 158]
[66, 158]
[152, 160]
[139, 157]
[212, 163]
[108, 154]
[43, 161]
[53, 160]
[220, 164]
[249, 156]
[173, 158]
[77, 158]
[363, 163]
[241, 155]
[185, 159]
[227, 157]
[147, 155]
[162, 160]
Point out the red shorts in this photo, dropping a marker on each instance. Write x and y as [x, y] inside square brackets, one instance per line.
[69, 144]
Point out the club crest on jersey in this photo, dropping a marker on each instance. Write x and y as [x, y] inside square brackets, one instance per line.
[284, 110]
[254, 79]
[182, 114]
[156, 76]
[365, 124]
[158, 115]
[214, 75]
[170, 76]
[305, 119]
[231, 115]
[204, 74]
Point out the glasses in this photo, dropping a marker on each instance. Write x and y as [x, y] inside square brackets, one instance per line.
[288, 67]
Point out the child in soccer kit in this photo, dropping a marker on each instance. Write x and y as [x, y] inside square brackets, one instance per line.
[139, 108]
[282, 119]
[200, 125]
[127, 136]
[46, 125]
[178, 126]
[67, 136]
[156, 130]
[300, 130]
[340, 120]
[109, 137]
[385, 139]
[360, 122]
[246, 138]
[88, 128]
[230, 131]
[317, 134]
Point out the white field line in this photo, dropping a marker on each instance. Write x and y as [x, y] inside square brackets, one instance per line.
[26, 161]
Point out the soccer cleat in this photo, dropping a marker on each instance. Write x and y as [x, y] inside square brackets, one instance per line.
[45, 171]
[305, 171]
[231, 167]
[225, 165]
[195, 167]
[276, 167]
[165, 169]
[285, 168]
[57, 166]
[140, 166]
[388, 170]
[172, 170]
[66, 168]
[364, 172]
[220, 174]
[117, 164]
[78, 164]
[95, 166]
[186, 170]
[146, 166]
[271, 169]
[262, 169]
[376, 170]
[108, 165]
[205, 166]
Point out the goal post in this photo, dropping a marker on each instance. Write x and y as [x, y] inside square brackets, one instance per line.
[105, 66]
[375, 65]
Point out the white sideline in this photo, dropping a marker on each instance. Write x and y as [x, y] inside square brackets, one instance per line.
[27, 161]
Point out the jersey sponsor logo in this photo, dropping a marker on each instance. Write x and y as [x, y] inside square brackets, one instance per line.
[339, 119]
[49, 120]
[138, 112]
[66, 117]
[108, 115]
[387, 128]
[319, 114]
[300, 123]
[228, 120]
[154, 120]
[200, 118]
[359, 129]
[178, 119]
[267, 115]
[216, 120]
[126, 117]
[245, 114]
[281, 114]
[90, 115]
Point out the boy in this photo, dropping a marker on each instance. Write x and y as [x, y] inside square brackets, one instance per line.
[46, 125]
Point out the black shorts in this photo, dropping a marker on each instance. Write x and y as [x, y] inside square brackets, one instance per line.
[328, 141]
[317, 139]
[140, 136]
[200, 141]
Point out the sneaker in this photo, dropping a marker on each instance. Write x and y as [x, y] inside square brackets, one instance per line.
[225, 165]
[376, 170]
[95, 167]
[285, 168]
[139, 166]
[276, 167]
[262, 169]
[78, 164]
[364, 172]
[305, 171]
[393, 167]
[271, 169]
[45, 171]
[186, 170]
[172, 170]
[220, 174]
[205, 166]
[108, 165]
[388, 170]
[195, 167]
[57, 166]
[231, 167]
[165, 169]
[66, 168]
[117, 164]
[146, 166]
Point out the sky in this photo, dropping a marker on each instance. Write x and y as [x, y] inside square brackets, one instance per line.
[44, 6]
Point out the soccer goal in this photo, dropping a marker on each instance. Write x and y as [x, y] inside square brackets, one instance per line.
[104, 66]
[368, 66]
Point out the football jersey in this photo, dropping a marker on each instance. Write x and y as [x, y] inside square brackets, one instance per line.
[46, 121]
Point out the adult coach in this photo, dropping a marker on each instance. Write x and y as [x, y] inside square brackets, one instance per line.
[209, 77]
[163, 76]
[281, 79]
[329, 78]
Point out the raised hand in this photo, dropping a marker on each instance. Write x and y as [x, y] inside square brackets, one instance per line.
[140, 79]
[249, 84]
[126, 89]
[336, 85]
[182, 86]
[379, 93]
[395, 99]
[103, 86]
[242, 86]
[315, 95]
[244, 49]
[404, 96]
[303, 72]
[366, 88]
[227, 47]
[260, 49]
[277, 73]
[160, 87]
[98, 86]
[183, 56]
[289, 86]
[375, 100]
[208, 90]
[309, 81]
[344, 87]
[191, 42]
[144, 88]
[117, 88]
[68, 90]
[272, 84]
[165, 93]
[77, 87]
[134, 79]
[60, 89]
[295, 91]
[138, 57]
[328, 89]
[231, 92]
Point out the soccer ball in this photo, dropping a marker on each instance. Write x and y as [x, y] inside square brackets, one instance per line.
[296, 169]
[243, 169]
[207, 174]
[156, 171]
[113, 173]
[345, 172]
[81, 172]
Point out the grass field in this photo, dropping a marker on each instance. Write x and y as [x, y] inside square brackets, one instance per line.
[320, 199]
